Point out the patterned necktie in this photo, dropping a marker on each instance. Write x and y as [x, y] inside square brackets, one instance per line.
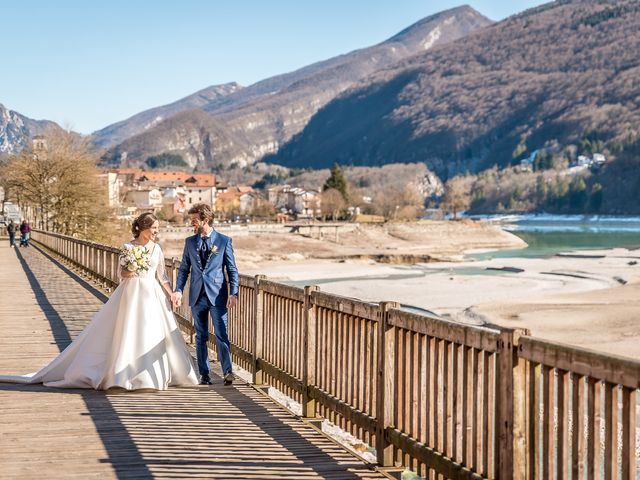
[204, 251]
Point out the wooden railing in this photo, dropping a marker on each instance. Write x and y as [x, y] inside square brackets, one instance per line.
[588, 416]
[445, 399]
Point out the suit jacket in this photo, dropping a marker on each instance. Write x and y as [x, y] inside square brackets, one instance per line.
[212, 277]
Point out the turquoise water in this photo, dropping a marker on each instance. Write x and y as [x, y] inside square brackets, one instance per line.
[548, 236]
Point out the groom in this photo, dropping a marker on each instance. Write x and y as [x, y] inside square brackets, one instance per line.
[206, 256]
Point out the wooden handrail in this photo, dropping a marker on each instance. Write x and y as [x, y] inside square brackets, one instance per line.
[430, 394]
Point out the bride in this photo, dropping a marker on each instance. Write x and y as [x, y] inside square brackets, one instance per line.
[133, 342]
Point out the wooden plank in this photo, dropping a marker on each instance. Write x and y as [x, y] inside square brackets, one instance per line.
[466, 402]
[593, 435]
[423, 398]
[521, 406]
[430, 457]
[477, 337]
[611, 368]
[445, 399]
[400, 379]
[473, 420]
[629, 405]
[240, 353]
[492, 419]
[282, 290]
[360, 418]
[352, 374]
[484, 437]
[535, 393]
[310, 348]
[368, 376]
[547, 422]
[349, 306]
[455, 401]
[360, 346]
[437, 417]
[248, 281]
[385, 383]
[563, 425]
[281, 376]
[578, 450]
[610, 431]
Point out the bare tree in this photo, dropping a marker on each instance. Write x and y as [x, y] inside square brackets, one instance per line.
[399, 203]
[262, 209]
[332, 203]
[457, 194]
[58, 179]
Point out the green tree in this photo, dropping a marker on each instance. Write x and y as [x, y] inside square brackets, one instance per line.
[543, 161]
[521, 147]
[577, 194]
[337, 181]
[542, 190]
[595, 198]
[165, 160]
[558, 193]
[478, 198]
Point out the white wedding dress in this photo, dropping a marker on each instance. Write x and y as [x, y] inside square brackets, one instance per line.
[133, 342]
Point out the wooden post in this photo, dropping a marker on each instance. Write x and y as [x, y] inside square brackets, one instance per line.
[309, 352]
[521, 408]
[386, 383]
[258, 322]
[510, 418]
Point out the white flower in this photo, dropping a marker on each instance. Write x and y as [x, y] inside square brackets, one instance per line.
[135, 258]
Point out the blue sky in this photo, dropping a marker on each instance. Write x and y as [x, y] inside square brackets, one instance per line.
[88, 64]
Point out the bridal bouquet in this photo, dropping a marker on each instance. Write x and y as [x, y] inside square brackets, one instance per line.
[135, 258]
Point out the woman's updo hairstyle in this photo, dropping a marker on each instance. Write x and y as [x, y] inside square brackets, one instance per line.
[144, 221]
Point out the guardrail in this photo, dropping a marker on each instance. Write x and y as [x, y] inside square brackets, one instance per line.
[445, 399]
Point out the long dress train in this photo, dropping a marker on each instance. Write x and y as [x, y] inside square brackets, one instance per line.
[132, 342]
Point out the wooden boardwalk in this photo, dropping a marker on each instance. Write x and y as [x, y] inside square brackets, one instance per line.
[197, 432]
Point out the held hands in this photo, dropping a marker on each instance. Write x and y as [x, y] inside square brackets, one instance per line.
[176, 299]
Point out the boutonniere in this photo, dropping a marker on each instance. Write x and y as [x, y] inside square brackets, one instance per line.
[214, 251]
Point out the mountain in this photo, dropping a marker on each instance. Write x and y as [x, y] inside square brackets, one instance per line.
[564, 73]
[17, 130]
[195, 134]
[265, 115]
[119, 132]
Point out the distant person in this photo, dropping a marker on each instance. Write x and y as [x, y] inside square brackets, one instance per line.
[25, 232]
[11, 230]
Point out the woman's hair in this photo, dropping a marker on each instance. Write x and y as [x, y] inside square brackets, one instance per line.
[143, 222]
[204, 211]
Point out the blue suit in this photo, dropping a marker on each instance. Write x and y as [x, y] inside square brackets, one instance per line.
[208, 293]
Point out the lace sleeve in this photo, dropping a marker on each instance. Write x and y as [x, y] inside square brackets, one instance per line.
[120, 277]
[161, 271]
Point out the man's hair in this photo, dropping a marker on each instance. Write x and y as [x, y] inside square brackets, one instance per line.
[204, 212]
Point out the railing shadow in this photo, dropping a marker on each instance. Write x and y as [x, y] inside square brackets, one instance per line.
[123, 452]
[203, 432]
[72, 275]
[223, 432]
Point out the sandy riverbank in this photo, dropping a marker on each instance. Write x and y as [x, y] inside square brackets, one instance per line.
[391, 243]
[590, 299]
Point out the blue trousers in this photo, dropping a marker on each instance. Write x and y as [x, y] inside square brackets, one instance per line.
[200, 311]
